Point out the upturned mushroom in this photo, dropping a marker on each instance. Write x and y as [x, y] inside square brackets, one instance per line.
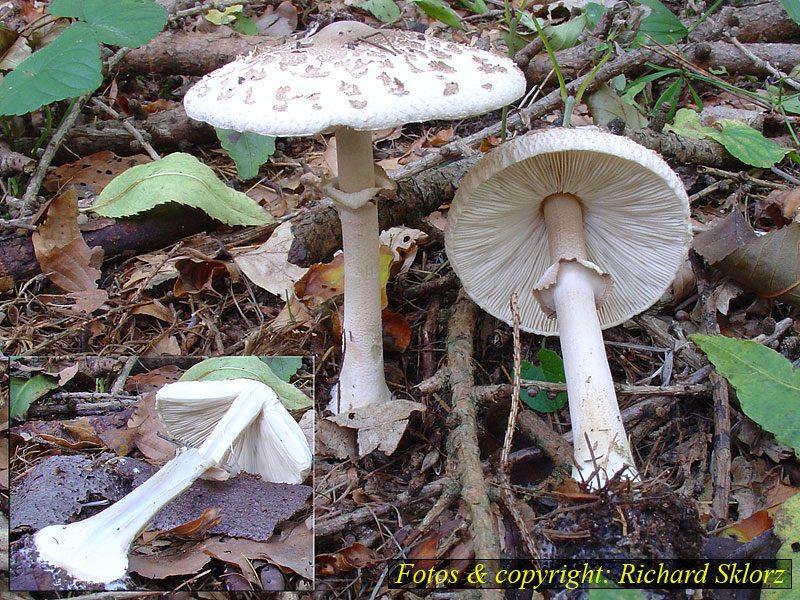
[96, 549]
[352, 79]
[589, 229]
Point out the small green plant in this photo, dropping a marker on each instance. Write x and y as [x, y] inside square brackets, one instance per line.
[71, 66]
[550, 369]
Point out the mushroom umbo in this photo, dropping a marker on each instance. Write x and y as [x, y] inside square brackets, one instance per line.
[352, 79]
[589, 229]
[96, 549]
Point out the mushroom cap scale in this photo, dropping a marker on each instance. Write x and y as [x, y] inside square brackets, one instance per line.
[635, 213]
[351, 75]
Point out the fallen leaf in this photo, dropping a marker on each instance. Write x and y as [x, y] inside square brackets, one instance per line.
[88, 301]
[783, 206]
[155, 309]
[766, 264]
[166, 345]
[442, 137]
[380, 426]
[195, 277]
[396, 331]
[268, 265]
[324, 281]
[194, 530]
[355, 556]
[94, 171]
[60, 249]
[278, 22]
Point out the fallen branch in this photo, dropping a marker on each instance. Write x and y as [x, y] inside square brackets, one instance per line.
[462, 443]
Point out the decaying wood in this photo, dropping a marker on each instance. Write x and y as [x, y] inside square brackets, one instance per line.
[721, 457]
[115, 236]
[168, 130]
[578, 60]
[188, 52]
[462, 443]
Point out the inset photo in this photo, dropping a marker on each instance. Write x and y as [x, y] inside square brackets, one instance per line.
[161, 473]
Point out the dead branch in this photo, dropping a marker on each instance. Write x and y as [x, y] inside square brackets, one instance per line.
[187, 52]
[463, 451]
[167, 131]
[708, 55]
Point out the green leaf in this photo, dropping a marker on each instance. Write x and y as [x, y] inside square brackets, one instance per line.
[551, 369]
[383, 10]
[246, 26]
[23, 392]
[130, 23]
[766, 384]
[566, 35]
[247, 367]
[177, 178]
[663, 26]
[440, 11]
[68, 67]
[248, 150]
[284, 366]
[593, 13]
[792, 8]
[476, 6]
[687, 123]
[224, 18]
[748, 145]
[787, 528]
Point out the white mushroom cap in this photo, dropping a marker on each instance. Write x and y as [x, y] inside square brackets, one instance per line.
[272, 446]
[349, 74]
[635, 212]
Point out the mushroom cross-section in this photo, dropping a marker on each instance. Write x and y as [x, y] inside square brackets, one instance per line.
[352, 79]
[96, 549]
[589, 229]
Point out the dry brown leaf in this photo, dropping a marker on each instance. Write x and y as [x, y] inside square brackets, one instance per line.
[166, 345]
[782, 206]
[769, 264]
[88, 301]
[379, 427]
[195, 277]
[151, 380]
[148, 427]
[95, 170]
[355, 556]
[194, 530]
[396, 331]
[155, 309]
[61, 250]
[268, 265]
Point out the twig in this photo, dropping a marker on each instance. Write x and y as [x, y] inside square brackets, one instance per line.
[721, 460]
[219, 5]
[119, 382]
[50, 151]
[60, 135]
[128, 127]
[760, 62]
[503, 470]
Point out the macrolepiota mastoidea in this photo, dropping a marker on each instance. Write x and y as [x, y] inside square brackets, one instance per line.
[351, 79]
[589, 229]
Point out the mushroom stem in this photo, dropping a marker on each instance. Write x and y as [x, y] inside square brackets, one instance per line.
[361, 380]
[96, 549]
[600, 442]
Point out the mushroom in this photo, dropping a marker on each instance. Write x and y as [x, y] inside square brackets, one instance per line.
[588, 228]
[352, 79]
[96, 549]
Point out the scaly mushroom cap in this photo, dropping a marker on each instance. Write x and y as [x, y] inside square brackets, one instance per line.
[635, 213]
[349, 74]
